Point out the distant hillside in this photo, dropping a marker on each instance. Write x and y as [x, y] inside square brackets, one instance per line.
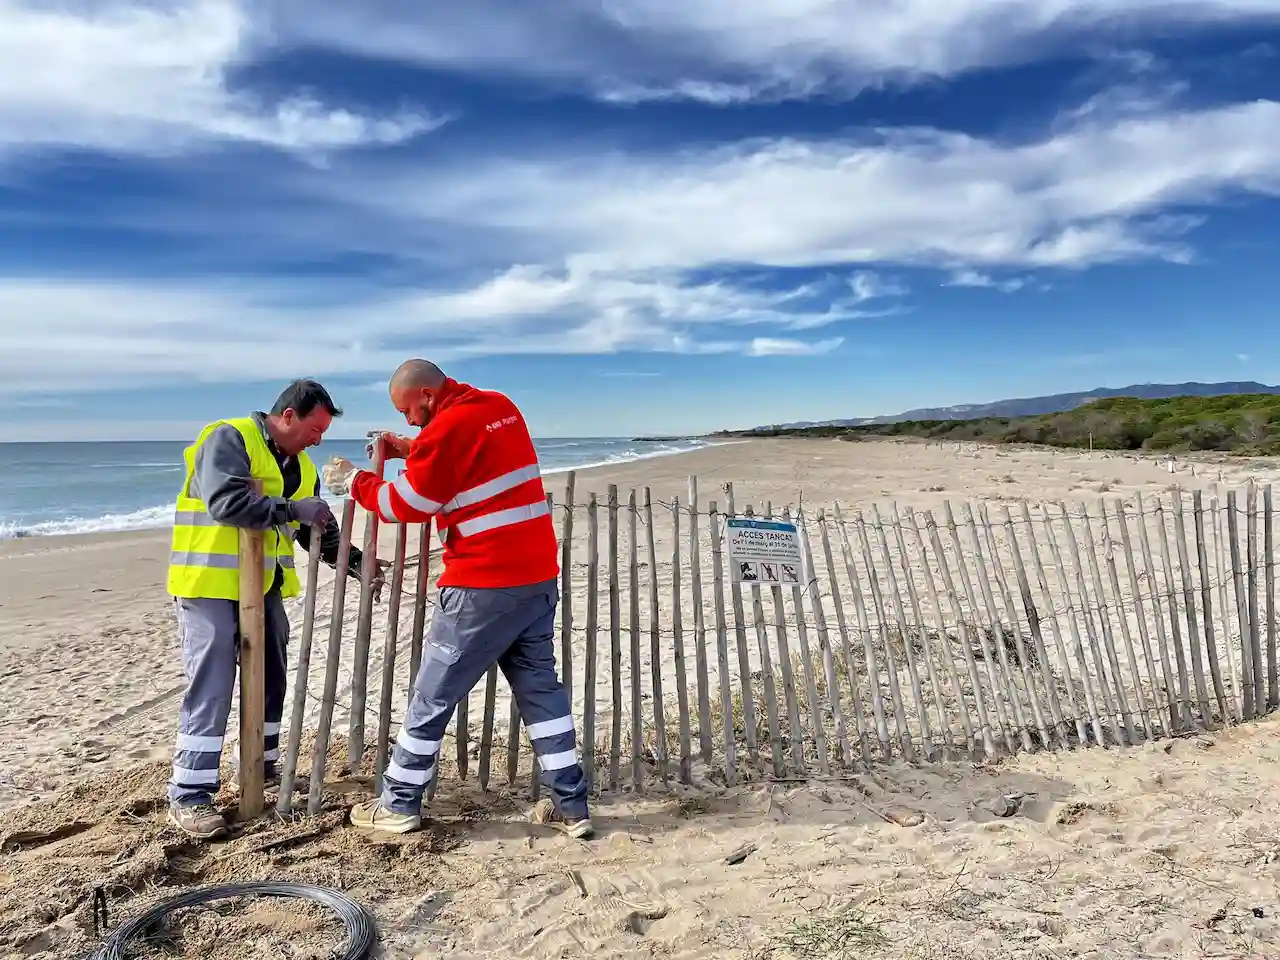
[1238, 423]
[1054, 403]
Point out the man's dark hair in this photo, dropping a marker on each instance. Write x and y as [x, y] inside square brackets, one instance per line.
[303, 396]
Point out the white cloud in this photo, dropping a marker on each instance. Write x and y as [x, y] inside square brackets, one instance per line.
[653, 252]
[1098, 192]
[787, 347]
[727, 51]
[129, 76]
[972, 278]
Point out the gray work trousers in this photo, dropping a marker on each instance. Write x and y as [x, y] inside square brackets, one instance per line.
[471, 630]
[209, 631]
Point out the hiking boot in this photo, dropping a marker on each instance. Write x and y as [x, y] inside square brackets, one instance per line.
[198, 820]
[372, 815]
[545, 813]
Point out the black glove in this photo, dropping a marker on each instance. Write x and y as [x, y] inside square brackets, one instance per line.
[312, 511]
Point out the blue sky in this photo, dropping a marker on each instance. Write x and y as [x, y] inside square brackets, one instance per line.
[632, 216]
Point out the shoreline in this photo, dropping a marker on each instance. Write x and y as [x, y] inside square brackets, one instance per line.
[162, 511]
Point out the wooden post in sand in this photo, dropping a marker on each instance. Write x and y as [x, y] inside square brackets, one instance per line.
[1273, 681]
[320, 748]
[655, 642]
[383, 749]
[593, 614]
[284, 803]
[566, 589]
[253, 676]
[705, 741]
[364, 624]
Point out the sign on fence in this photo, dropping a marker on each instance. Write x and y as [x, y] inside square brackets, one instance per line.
[763, 551]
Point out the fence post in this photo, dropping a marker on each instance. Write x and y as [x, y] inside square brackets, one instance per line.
[253, 690]
[302, 675]
[320, 749]
[364, 624]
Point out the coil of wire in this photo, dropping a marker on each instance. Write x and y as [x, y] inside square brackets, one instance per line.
[356, 920]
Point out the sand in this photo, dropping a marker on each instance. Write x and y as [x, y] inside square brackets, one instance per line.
[1165, 849]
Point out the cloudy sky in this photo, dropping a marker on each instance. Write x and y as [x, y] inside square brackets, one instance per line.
[631, 215]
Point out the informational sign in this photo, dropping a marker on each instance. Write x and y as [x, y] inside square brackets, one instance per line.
[763, 551]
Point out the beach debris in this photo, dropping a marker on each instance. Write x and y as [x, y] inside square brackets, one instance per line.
[741, 854]
[904, 816]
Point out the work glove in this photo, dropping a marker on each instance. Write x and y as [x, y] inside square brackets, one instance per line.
[394, 447]
[312, 511]
[338, 475]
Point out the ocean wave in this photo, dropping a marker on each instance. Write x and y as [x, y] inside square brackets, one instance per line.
[161, 516]
[148, 518]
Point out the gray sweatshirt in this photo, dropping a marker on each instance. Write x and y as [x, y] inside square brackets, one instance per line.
[222, 480]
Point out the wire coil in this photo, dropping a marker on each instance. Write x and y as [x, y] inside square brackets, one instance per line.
[356, 920]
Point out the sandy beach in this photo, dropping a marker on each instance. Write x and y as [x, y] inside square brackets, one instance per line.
[1166, 849]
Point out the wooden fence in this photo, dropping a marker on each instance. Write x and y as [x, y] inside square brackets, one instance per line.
[975, 631]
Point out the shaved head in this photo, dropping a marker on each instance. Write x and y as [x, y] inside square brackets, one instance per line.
[417, 375]
[414, 390]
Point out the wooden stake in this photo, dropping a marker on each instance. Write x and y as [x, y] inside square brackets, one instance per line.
[383, 748]
[677, 627]
[364, 624]
[655, 642]
[333, 659]
[615, 641]
[1206, 600]
[722, 649]
[593, 624]
[566, 588]
[1184, 687]
[1189, 600]
[253, 676]
[744, 658]
[794, 725]
[1242, 608]
[1255, 631]
[1166, 666]
[766, 669]
[422, 587]
[1273, 679]
[301, 677]
[633, 596]
[705, 741]
[806, 664]
[486, 729]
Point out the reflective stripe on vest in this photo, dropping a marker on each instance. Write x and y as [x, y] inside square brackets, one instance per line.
[224, 561]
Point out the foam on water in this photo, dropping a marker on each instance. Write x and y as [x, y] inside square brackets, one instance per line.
[557, 457]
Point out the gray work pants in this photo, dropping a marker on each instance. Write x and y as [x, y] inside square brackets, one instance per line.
[471, 630]
[209, 631]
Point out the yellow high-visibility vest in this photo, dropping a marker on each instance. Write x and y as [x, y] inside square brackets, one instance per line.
[204, 557]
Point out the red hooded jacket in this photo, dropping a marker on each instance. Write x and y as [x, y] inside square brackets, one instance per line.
[474, 469]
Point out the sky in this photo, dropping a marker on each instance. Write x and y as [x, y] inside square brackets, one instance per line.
[632, 216]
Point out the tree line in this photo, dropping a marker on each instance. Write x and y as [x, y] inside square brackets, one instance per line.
[1246, 424]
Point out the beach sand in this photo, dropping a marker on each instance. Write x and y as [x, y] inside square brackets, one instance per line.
[1165, 850]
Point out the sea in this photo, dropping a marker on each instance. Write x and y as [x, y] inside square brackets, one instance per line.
[51, 489]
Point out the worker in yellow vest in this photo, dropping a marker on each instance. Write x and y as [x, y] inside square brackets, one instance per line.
[216, 501]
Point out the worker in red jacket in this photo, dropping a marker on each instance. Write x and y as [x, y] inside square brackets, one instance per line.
[474, 468]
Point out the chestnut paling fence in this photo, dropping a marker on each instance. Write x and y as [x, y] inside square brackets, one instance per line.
[975, 630]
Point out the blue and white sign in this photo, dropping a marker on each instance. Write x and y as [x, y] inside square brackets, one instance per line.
[764, 551]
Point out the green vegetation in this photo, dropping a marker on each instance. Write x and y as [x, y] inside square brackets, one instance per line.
[1246, 424]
